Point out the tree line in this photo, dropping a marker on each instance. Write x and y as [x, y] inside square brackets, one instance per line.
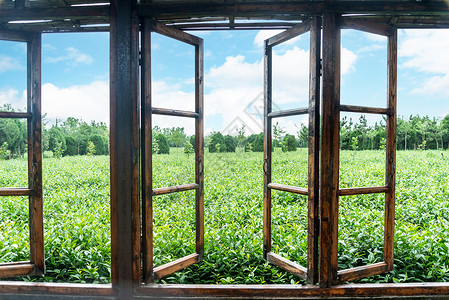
[64, 138]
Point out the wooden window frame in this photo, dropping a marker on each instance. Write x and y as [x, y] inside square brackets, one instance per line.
[36, 264]
[309, 273]
[151, 273]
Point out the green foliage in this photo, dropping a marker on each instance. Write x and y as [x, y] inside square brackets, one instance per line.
[71, 146]
[90, 148]
[217, 143]
[4, 152]
[188, 148]
[162, 144]
[100, 143]
[289, 143]
[354, 143]
[230, 143]
[192, 140]
[56, 141]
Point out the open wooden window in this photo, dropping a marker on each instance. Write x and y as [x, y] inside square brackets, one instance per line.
[35, 266]
[310, 272]
[150, 272]
[389, 188]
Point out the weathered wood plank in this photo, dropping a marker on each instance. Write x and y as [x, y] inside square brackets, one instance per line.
[47, 288]
[330, 151]
[288, 188]
[313, 230]
[15, 115]
[363, 190]
[361, 272]
[366, 109]
[11, 14]
[366, 26]
[174, 112]
[267, 144]
[34, 126]
[15, 35]
[146, 156]
[199, 148]
[290, 34]
[288, 112]
[15, 191]
[175, 189]
[17, 269]
[287, 265]
[174, 266]
[281, 291]
[176, 34]
[124, 153]
[390, 170]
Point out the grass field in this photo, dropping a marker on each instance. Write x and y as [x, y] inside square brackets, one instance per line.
[77, 221]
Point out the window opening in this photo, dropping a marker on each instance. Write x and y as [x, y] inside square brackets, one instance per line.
[32, 188]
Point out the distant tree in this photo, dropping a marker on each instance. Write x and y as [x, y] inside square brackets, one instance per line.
[192, 140]
[217, 143]
[230, 143]
[188, 148]
[289, 143]
[90, 148]
[71, 146]
[303, 136]
[258, 143]
[56, 140]
[177, 137]
[100, 143]
[278, 133]
[162, 142]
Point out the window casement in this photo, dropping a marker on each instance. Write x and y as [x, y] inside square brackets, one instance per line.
[36, 265]
[151, 273]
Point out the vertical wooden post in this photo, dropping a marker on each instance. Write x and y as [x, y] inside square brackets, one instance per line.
[35, 152]
[330, 150]
[390, 176]
[267, 152]
[147, 150]
[314, 151]
[124, 154]
[199, 148]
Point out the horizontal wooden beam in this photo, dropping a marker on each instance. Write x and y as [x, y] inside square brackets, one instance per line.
[174, 266]
[242, 9]
[15, 115]
[288, 113]
[287, 265]
[235, 26]
[366, 109]
[174, 112]
[361, 272]
[15, 35]
[367, 26]
[15, 14]
[15, 192]
[288, 188]
[288, 35]
[46, 288]
[280, 291]
[175, 189]
[17, 269]
[363, 190]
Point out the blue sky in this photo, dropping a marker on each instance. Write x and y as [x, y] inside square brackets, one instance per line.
[76, 72]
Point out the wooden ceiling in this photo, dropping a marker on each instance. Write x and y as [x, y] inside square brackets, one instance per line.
[93, 15]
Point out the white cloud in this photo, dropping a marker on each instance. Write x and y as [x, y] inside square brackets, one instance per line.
[8, 63]
[348, 59]
[425, 50]
[88, 102]
[11, 96]
[436, 85]
[73, 56]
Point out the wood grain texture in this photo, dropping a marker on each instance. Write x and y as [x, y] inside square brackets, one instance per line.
[313, 227]
[363, 190]
[267, 145]
[361, 272]
[330, 151]
[15, 115]
[174, 112]
[372, 27]
[288, 112]
[15, 191]
[390, 170]
[18, 269]
[287, 265]
[289, 34]
[174, 266]
[146, 154]
[41, 289]
[175, 189]
[288, 188]
[366, 109]
[175, 33]
[34, 136]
